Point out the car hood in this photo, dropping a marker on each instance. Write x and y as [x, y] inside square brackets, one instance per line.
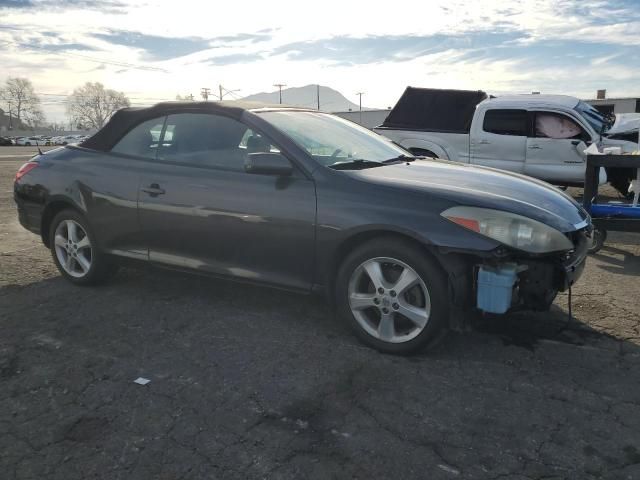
[624, 123]
[482, 187]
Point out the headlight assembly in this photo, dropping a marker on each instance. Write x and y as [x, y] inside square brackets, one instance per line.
[510, 229]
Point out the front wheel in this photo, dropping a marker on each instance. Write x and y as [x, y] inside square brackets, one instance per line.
[393, 295]
[598, 239]
[75, 252]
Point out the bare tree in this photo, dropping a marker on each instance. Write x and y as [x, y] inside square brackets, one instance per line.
[21, 101]
[91, 105]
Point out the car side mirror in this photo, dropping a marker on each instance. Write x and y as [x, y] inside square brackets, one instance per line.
[268, 163]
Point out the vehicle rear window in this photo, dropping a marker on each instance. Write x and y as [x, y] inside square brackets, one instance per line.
[142, 141]
[506, 122]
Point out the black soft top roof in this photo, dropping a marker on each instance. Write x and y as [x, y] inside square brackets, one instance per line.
[127, 118]
[434, 110]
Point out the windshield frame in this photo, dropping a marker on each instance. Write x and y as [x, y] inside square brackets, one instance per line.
[592, 116]
[388, 148]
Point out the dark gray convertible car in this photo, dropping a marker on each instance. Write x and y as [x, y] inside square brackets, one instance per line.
[306, 201]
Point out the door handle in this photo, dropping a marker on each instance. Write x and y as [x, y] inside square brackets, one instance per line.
[154, 190]
[535, 147]
[484, 142]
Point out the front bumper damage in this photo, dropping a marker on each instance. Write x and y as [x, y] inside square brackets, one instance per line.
[525, 282]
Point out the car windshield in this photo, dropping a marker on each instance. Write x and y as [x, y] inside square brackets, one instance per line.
[333, 141]
[593, 117]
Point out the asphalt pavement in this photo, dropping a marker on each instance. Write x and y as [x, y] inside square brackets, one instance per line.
[247, 382]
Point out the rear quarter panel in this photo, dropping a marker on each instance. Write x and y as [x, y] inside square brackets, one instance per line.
[103, 187]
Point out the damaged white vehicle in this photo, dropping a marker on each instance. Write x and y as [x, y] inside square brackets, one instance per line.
[543, 136]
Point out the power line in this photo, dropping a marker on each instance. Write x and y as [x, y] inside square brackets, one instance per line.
[227, 92]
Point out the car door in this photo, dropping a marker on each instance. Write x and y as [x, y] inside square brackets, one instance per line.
[555, 147]
[111, 180]
[199, 209]
[498, 139]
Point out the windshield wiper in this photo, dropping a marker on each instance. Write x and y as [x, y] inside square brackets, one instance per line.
[355, 164]
[399, 158]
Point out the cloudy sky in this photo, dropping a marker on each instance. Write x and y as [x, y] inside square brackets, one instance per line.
[154, 50]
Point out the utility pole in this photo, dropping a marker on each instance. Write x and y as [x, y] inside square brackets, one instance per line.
[318, 95]
[227, 92]
[10, 117]
[191, 97]
[280, 85]
[205, 93]
[360, 96]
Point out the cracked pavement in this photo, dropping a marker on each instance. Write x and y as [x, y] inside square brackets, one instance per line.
[256, 383]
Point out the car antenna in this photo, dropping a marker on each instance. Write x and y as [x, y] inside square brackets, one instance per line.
[39, 151]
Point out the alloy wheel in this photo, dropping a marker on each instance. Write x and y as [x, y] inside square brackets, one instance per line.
[73, 248]
[389, 300]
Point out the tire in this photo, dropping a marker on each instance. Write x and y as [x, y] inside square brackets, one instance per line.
[426, 299]
[28, 144]
[87, 265]
[421, 152]
[599, 237]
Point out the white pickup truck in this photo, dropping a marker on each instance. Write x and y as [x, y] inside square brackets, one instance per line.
[543, 136]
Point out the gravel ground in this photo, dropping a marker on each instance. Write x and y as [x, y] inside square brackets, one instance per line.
[257, 383]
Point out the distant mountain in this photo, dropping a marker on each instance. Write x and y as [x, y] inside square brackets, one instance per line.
[330, 100]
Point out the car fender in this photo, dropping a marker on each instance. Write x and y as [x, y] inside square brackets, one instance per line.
[438, 150]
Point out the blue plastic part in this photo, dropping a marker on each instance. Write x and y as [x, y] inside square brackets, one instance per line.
[602, 210]
[495, 286]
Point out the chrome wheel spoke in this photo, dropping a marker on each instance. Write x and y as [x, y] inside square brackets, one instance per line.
[374, 271]
[386, 327]
[418, 316]
[84, 243]
[83, 263]
[72, 231]
[60, 241]
[360, 301]
[69, 263]
[408, 278]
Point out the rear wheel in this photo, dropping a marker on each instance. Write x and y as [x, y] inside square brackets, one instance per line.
[75, 252]
[393, 296]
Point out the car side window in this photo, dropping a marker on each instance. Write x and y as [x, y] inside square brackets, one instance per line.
[208, 140]
[142, 141]
[506, 122]
[255, 142]
[558, 126]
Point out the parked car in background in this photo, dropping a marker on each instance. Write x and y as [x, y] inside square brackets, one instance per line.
[5, 141]
[543, 136]
[29, 141]
[69, 140]
[306, 201]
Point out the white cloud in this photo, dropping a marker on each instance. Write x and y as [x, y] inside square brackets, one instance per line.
[493, 45]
